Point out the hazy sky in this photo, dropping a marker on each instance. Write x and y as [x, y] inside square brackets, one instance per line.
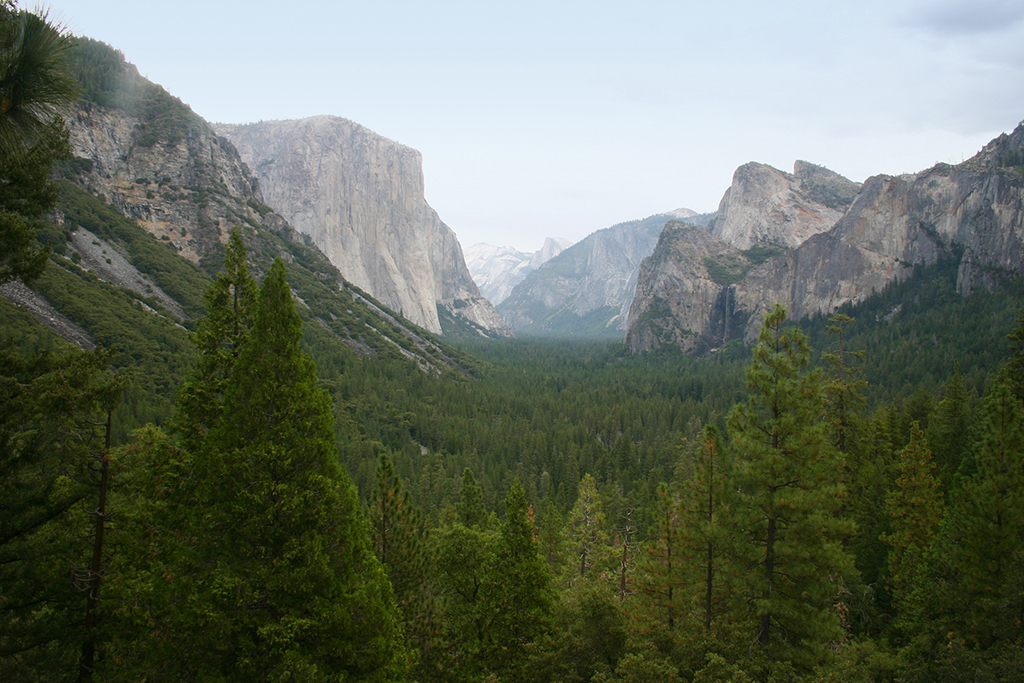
[560, 118]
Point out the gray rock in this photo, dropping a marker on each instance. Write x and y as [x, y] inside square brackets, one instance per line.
[360, 197]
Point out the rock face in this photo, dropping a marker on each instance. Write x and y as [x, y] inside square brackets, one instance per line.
[765, 206]
[189, 192]
[360, 197]
[973, 212]
[682, 292]
[497, 270]
[586, 290]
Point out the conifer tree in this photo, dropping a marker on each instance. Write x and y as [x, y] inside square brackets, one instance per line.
[663, 569]
[588, 539]
[915, 509]
[36, 85]
[789, 496]
[704, 506]
[396, 526]
[985, 528]
[471, 501]
[283, 581]
[52, 446]
[950, 426]
[843, 399]
[518, 597]
[230, 304]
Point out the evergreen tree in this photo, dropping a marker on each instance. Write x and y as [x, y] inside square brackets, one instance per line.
[286, 584]
[462, 560]
[35, 86]
[705, 505]
[230, 303]
[985, 529]
[518, 597]
[471, 501]
[588, 539]
[843, 398]
[950, 427]
[397, 531]
[789, 497]
[52, 427]
[663, 569]
[915, 509]
[35, 79]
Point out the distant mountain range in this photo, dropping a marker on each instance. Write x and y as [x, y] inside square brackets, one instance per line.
[497, 270]
[586, 290]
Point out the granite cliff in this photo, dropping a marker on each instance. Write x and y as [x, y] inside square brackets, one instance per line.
[360, 198]
[681, 291]
[765, 206]
[972, 212]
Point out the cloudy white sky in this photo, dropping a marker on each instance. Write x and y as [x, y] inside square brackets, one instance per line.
[558, 118]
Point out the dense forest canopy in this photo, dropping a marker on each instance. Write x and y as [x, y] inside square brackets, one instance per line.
[248, 490]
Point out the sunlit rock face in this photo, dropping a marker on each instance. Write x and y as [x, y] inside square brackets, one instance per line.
[769, 207]
[360, 197]
[973, 212]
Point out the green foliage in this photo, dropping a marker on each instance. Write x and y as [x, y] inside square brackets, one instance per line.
[52, 405]
[788, 499]
[725, 271]
[283, 578]
[109, 81]
[35, 83]
[915, 509]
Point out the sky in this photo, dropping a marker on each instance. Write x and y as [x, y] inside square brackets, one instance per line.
[559, 118]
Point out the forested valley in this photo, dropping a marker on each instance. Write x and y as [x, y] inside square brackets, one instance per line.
[236, 495]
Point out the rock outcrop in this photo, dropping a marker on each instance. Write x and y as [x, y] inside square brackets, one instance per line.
[682, 293]
[360, 197]
[586, 290]
[973, 212]
[189, 190]
[765, 206]
[497, 270]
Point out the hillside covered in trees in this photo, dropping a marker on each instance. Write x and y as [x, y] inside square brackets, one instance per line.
[283, 481]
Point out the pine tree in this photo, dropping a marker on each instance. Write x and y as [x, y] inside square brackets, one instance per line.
[35, 86]
[843, 398]
[788, 500]
[230, 304]
[985, 528]
[915, 509]
[397, 532]
[284, 579]
[517, 599]
[588, 542]
[471, 501]
[704, 506]
[950, 427]
[52, 447]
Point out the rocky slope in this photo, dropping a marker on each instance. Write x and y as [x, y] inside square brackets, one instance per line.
[586, 290]
[765, 206]
[973, 212]
[360, 197]
[497, 270]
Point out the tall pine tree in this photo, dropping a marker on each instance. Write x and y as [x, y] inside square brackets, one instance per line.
[789, 494]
